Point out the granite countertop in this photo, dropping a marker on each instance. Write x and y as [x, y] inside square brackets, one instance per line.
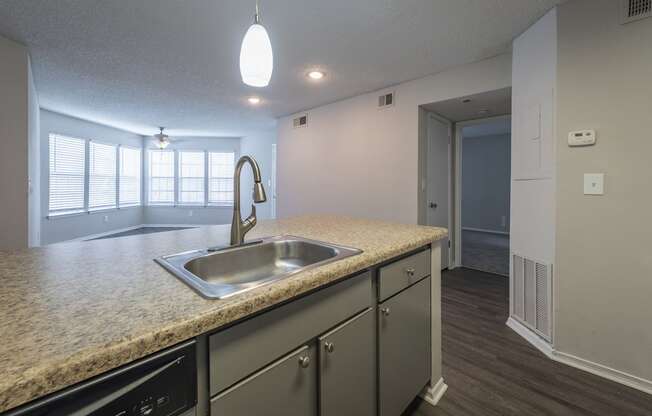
[73, 310]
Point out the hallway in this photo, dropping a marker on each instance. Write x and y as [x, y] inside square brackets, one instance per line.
[491, 371]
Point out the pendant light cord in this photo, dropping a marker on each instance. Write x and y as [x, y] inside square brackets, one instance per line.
[256, 16]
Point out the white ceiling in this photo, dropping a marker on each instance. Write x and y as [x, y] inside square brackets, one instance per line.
[137, 64]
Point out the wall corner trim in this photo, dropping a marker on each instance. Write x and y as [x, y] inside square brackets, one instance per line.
[432, 395]
[599, 370]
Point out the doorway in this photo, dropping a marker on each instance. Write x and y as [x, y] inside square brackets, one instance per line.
[465, 169]
[485, 180]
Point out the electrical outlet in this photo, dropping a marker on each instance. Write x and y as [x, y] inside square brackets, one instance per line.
[190, 213]
[106, 218]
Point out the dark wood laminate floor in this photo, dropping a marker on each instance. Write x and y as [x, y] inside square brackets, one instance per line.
[491, 371]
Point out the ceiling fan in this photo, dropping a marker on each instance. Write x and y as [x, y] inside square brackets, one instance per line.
[162, 140]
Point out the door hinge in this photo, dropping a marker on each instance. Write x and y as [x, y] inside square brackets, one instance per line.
[449, 243]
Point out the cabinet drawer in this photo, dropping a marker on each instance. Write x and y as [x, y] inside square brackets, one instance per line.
[403, 348]
[244, 348]
[347, 368]
[287, 387]
[397, 276]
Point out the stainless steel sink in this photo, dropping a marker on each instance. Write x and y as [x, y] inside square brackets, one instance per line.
[220, 273]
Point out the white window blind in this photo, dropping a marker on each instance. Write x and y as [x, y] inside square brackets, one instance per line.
[67, 177]
[101, 176]
[130, 175]
[220, 178]
[161, 177]
[191, 178]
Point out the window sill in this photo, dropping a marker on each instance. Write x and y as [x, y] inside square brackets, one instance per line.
[54, 216]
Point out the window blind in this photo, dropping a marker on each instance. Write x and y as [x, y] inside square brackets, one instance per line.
[220, 178]
[67, 181]
[191, 178]
[130, 174]
[161, 177]
[101, 176]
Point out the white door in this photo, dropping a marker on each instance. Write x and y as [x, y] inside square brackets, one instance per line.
[438, 177]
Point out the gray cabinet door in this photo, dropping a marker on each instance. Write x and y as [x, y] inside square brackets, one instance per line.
[347, 368]
[287, 387]
[403, 347]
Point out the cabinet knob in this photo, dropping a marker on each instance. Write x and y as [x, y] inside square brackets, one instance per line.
[385, 311]
[304, 362]
[410, 271]
[329, 347]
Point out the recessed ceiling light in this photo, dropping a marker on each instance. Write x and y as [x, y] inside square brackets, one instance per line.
[254, 100]
[466, 100]
[316, 75]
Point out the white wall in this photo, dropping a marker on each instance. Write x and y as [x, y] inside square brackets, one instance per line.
[355, 159]
[604, 265]
[533, 188]
[179, 215]
[486, 182]
[258, 145]
[14, 136]
[75, 226]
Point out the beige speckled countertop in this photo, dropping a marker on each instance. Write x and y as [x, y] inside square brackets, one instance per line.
[74, 310]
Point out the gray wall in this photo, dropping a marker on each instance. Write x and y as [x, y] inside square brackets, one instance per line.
[14, 133]
[604, 265]
[486, 182]
[258, 145]
[358, 160]
[76, 226]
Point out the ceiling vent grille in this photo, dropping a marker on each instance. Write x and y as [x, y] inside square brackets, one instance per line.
[386, 100]
[532, 295]
[632, 10]
[301, 121]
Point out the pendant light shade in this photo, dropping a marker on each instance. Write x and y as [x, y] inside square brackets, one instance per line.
[256, 57]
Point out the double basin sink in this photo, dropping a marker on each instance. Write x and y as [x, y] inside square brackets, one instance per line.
[218, 273]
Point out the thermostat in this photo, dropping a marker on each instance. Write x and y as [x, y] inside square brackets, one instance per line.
[581, 138]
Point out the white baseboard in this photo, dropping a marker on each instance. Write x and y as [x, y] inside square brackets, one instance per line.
[539, 343]
[599, 370]
[604, 371]
[174, 225]
[432, 395]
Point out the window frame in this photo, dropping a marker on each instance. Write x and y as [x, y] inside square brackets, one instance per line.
[175, 162]
[72, 211]
[208, 178]
[86, 210]
[179, 177]
[140, 177]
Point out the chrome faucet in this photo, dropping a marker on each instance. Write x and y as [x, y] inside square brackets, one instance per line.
[239, 227]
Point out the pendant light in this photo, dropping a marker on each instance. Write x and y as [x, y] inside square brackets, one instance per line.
[256, 58]
[162, 139]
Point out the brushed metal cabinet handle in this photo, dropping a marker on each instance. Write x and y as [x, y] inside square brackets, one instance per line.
[385, 311]
[304, 362]
[329, 347]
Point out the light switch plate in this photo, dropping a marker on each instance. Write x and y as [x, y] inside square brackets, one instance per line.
[581, 138]
[594, 184]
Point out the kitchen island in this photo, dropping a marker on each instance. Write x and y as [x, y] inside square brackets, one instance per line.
[72, 311]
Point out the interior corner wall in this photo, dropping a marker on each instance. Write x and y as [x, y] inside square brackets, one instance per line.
[34, 165]
[14, 135]
[604, 266]
[70, 227]
[357, 160]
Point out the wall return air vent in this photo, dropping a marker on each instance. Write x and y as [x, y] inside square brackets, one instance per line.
[532, 295]
[632, 10]
[301, 121]
[386, 100]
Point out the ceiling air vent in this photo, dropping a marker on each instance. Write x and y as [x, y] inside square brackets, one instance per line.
[386, 100]
[301, 121]
[632, 10]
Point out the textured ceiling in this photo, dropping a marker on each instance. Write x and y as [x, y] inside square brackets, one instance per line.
[137, 64]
